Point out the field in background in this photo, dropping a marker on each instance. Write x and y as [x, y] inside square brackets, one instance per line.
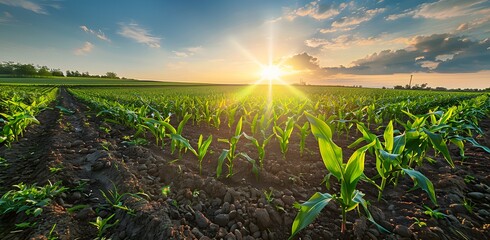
[79, 81]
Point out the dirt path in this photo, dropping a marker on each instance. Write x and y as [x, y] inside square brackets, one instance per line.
[91, 157]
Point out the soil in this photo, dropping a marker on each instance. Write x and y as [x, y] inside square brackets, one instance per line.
[94, 158]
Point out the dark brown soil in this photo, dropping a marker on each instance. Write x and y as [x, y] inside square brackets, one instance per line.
[92, 154]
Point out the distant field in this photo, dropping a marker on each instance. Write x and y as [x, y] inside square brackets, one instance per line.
[72, 81]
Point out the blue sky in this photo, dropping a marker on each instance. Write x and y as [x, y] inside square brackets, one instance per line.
[370, 43]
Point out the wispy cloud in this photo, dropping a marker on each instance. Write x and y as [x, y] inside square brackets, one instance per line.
[477, 23]
[86, 48]
[25, 4]
[315, 10]
[342, 42]
[6, 17]
[354, 21]
[442, 9]
[139, 34]
[187, 52]
[99, 34]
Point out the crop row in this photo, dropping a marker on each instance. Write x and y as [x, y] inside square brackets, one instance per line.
[19, 107]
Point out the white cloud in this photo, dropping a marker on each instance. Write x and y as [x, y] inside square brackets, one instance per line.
[332, 29]
[315, 10]
[99, 34]
[86, 48]
[341, 42]
[195, 50]
[442, 9]
[187, 52]
[477, 23]
[25, 4]
[180, 54]
[347, 22]
[134, 32]
[445, 9]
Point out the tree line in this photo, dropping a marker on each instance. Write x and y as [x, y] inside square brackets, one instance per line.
[12, 69]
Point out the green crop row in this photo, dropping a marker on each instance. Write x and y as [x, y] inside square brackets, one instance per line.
[19, 107]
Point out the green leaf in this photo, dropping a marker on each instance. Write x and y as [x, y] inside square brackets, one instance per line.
[255, 168]
[221, 160]
[37, 211]
[184, 141]
[331, 156]
[355, 165]
[318, 127]
[423, 182]
[309, 210]
[399, 144]
[388, 137]
[359, 198]
[439, 144]
[238, 128]
[330, 152]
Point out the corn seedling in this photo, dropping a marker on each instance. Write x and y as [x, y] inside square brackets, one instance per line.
[434, 213]
[202, 149]
[103, 224]
[283, 135]
[348, 174]
[115, 200]
[304, 131]
[260, 147]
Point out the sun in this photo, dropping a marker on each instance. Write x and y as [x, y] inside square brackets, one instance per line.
[271, 72]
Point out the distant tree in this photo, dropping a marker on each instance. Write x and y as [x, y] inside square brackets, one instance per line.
[398, 87]
[57, 73]
[111, 75]
[25, 70]
[44, 71]
[7, 68]
[441, 88]
[85, 74]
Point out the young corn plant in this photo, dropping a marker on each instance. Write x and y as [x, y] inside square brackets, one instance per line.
[260, 147]
[389, 160]
[348, 174]
[304, 131]
[103, 224]
[231, 154]
[283, 135]
[115, 200]
[202, 149]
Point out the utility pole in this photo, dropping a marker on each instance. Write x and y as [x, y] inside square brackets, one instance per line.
[410, 84]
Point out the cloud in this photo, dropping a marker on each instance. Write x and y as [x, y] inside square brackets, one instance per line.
[6, 17]
[187, 52]
[86, 48]
[134, 32]
[315, 10]
[303, 61]
[443, 53]
[341, 42]
[442, 9]
[346, 22]
[99, 34]
[477, 23]
[332, 29]
[25, 4]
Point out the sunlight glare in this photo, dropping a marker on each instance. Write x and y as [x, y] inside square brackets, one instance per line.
[271, 72]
